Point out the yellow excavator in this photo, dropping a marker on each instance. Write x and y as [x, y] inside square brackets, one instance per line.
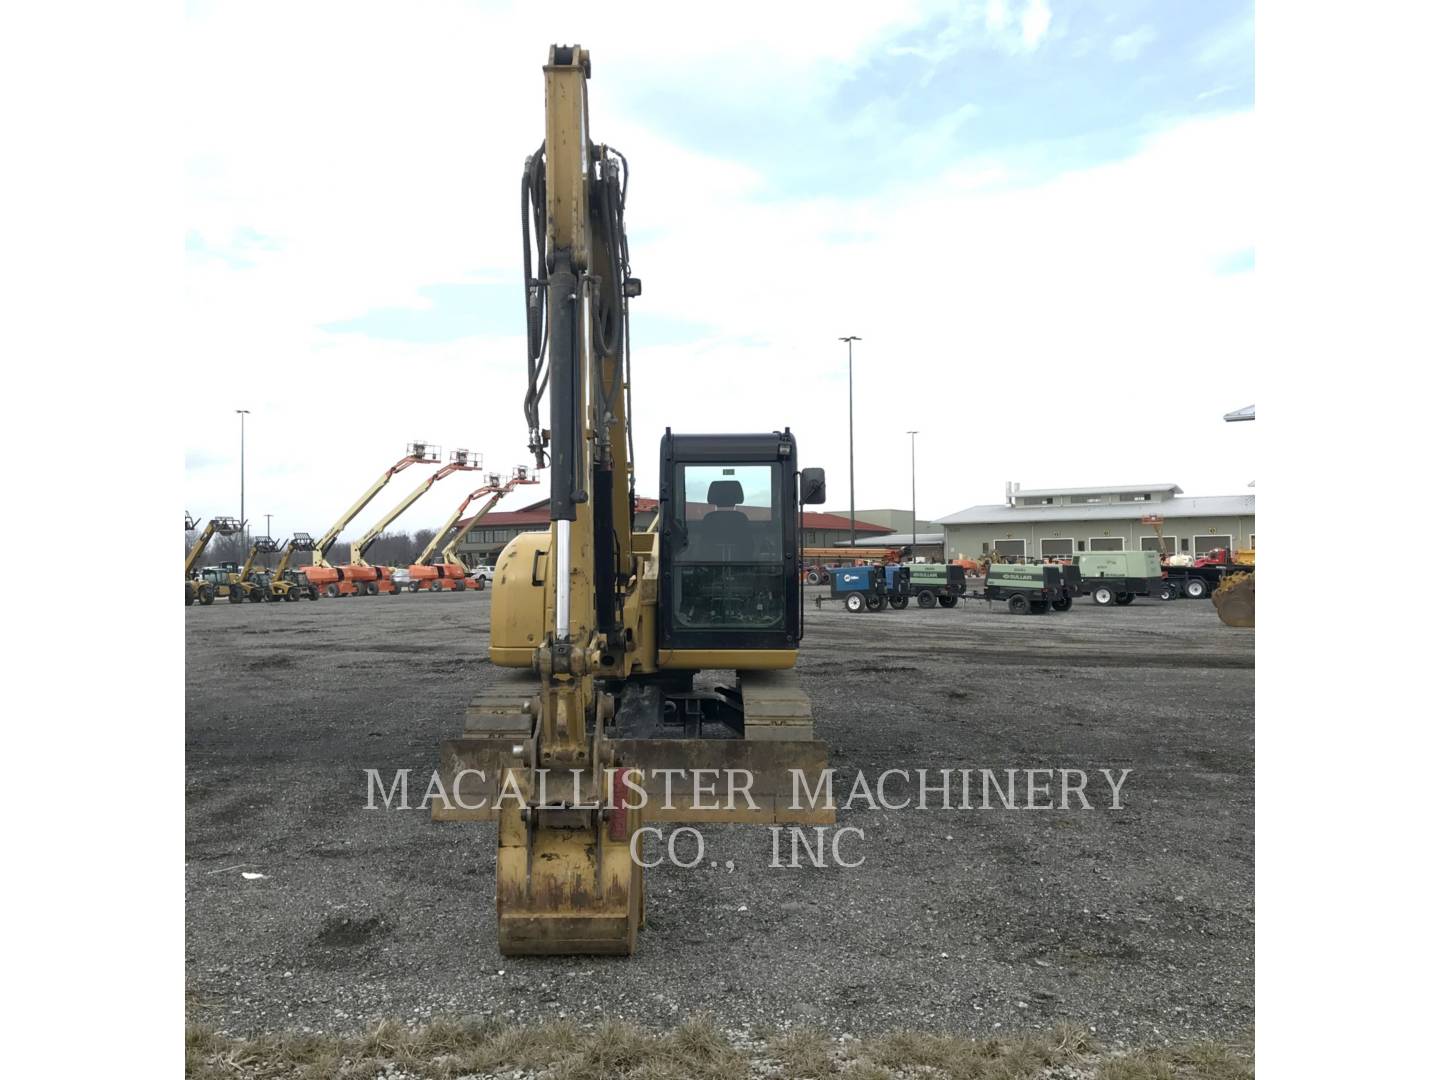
[600, 631]
[196, 589]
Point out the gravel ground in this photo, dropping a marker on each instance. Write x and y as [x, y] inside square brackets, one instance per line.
[1138, 923]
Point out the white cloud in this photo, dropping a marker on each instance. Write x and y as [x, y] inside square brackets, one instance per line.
[1130, 46]
[377, 154]
[1034, 23]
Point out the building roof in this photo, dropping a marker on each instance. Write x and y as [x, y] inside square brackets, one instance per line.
[1195, 506]
[1098, 489]
[816, 519]
[536, 514]
[899, 539]
[499, 519]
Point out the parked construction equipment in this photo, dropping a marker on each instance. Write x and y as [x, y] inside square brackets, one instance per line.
[288, 584]
[602, 628]
[246, 584]
[195, 589]
[1035, 588]
[326, 577]
[1117, 577]
[818, 562]
[936, 583]
[869, 588]
[1197, 577]
[450, 572]
[358, 577]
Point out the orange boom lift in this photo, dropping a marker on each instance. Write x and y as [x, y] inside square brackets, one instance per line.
[359, 575]
[321, 574]
[450, 571]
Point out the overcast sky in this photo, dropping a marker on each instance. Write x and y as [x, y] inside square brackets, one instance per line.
[1038, 216]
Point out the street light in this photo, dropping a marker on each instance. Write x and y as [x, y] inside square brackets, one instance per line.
[243, 413]
[850, 364]
[914, 528]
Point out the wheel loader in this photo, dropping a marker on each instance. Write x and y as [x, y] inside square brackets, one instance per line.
[597, 724]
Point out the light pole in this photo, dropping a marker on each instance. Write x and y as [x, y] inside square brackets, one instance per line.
[850, 365]
[244, 532]
[914, 527]
[268, 517]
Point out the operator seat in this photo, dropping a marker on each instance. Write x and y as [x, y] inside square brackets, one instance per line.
[726, 533]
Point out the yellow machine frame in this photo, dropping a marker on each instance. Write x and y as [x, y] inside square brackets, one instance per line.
[565, 879]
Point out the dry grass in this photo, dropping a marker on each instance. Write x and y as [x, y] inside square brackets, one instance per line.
[696, 1050]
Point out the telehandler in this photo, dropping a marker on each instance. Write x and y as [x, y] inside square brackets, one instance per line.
[196, 589]
[288, 584]
[242, 586]
[599, 631]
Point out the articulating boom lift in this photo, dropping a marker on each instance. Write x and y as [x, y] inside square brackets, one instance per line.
[321, 574]
[604, 629]
[204, 591]
[451, 571]
[358, 575]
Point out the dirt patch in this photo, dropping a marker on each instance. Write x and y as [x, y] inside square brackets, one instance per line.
[347, 933]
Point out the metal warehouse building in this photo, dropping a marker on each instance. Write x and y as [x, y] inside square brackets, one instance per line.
[1039, 522]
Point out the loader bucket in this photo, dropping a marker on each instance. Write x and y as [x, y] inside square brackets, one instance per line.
[1234, 600]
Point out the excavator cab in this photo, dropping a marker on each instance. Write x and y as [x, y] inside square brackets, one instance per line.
[729, 569]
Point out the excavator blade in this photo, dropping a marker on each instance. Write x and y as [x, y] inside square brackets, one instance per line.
[1234, 600]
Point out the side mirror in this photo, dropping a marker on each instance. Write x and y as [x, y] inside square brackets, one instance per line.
[812, 486]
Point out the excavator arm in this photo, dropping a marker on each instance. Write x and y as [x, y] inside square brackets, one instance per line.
[419, 454]
[460, 461]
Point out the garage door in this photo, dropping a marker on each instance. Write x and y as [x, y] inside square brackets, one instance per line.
[1010, 547]
[1107, 543]
[1209, 542]
[1057, 547]
[1152, 543]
